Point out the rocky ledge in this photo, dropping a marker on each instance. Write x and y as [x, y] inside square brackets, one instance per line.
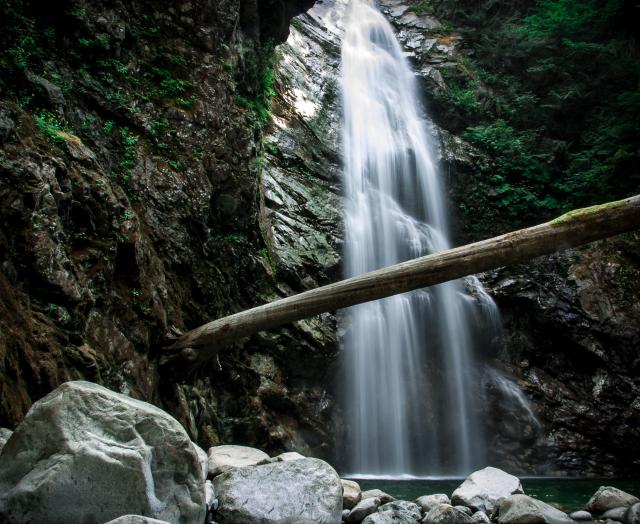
[86, 454]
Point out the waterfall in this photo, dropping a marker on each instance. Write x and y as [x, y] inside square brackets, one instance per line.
[410, 388]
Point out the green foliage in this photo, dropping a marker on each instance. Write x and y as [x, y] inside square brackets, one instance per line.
[51, 126]
[557, 82]
[129, 143]
[261, 78]
[572, 19]
[422, 7]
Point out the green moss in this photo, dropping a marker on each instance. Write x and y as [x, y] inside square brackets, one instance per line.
[578, 214]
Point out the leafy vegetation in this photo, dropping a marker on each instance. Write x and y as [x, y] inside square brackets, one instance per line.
[552, 95]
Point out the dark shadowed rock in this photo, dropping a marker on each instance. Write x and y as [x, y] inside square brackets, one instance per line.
[4, 436]
[305, 490]
[84, 453]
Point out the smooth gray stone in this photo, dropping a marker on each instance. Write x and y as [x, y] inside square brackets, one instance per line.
[136, 519]
[446, 514]
[608, 497]
[580, 516]
[363, 509]
[84, 450]
[304, 490]
[426, 502]
[482, 489]
[521, 509]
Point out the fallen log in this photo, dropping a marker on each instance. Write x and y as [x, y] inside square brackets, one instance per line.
[569, 230]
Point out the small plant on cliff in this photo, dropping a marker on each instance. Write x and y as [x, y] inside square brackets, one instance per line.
[51, 126]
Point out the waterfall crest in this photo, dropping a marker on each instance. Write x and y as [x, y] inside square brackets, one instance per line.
[411, 395]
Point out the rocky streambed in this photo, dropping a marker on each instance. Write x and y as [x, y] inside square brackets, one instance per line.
[85, 454]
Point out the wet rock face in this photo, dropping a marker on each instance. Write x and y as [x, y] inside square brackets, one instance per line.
[129, 203]
[571, 333]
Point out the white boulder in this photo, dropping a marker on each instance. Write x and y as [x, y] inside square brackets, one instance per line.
[224, 458]
[86, 454]
[482, 489]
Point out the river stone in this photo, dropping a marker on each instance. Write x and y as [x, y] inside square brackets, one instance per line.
[426, 502]
[203, 458]
[446, 514]
[305, 490]
[615, 513]
[362, 509]
[351, 493]
[521, 509]
[580, 516]
[482, 489]
[86, 454]
[384, 497]
[136, 519]
[289, 455]
[608, 497]
[633, 514]
[4, 436]
[396, 512]
[464, 509]
[480, 516]
[224, 458]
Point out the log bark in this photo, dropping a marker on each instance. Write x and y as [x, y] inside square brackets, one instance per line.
[569, 230]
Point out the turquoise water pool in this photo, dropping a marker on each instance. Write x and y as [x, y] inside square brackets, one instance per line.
[566, 494]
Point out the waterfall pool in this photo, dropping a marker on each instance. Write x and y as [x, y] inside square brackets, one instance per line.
[568, 494]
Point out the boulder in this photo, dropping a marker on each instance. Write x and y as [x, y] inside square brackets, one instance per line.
[203, 458]
[4, 436]
[384, 497]
[446, 514]
[304, 490]
[480, 516]
[224, 458]
[633, 514]
[396, 512]
[136, 519]
[464, 509]
[482, 489]
[86, 454]
[581, 516]
[351, 493]
[363, 509]
[289, 455]
[426, 502]
[521, 509]
[615, 514]
[608, 497]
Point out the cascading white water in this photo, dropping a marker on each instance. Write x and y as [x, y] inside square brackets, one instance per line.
[410, 392]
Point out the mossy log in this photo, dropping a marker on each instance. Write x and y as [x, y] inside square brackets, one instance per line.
[569, 230]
